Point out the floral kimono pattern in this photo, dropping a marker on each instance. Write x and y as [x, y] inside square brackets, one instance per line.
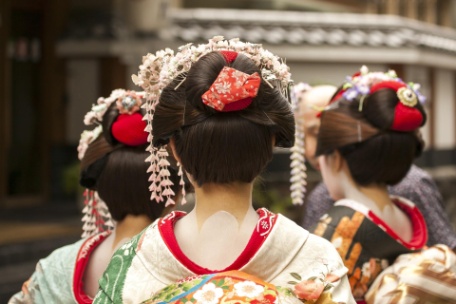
[239, 287]
[284, 258]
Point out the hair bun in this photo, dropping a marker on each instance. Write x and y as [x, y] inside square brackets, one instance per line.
[396, 108]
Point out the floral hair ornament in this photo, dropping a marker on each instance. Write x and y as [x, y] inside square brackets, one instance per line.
[406, 117]
[159, 69]
[233, 90]
[127, 129]
[298, 164]
[363, 83]
[129, 103]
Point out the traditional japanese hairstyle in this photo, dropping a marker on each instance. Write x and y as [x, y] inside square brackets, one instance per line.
[373, 121]
[211, 98]
[114, 152]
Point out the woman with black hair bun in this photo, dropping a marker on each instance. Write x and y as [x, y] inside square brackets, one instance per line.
[117, 206]
[221, 108]
[368, 138]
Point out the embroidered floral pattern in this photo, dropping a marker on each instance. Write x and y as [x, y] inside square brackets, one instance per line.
[225, 287]
[230, 86]
[314, 288]
[209, 294]
[248, 289]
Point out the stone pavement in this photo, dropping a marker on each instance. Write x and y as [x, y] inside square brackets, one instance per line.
[28, 234]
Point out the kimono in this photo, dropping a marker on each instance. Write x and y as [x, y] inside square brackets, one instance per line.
[279, 252]
[58, 278]
[425, 277]
[367, 244]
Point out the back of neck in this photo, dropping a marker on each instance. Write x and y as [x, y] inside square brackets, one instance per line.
[376, 198]
[217, 230]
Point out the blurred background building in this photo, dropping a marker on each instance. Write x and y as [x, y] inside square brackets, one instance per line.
[57, 57]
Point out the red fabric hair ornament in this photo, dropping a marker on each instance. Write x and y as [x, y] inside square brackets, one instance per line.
[233, 90]
[406, 117]
[128, 129]
[230, 56]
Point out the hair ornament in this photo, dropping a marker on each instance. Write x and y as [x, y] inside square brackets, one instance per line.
[406, 117]
[87, 137]
[407, 96]
[359, 131]
[129, 103]
[363, 83]
[159, 69]
[96, 217]
[233, 90]
[153, 78]
[129, 129]
[296, 92]
[230, 56]
[361, 103]
[298, 166]
[95, 115]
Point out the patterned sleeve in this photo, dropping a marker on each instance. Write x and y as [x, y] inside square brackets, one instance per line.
[419, 187]
[52, 278]
[317, 204]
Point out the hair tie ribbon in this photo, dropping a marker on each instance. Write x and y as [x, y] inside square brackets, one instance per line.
[233, 90]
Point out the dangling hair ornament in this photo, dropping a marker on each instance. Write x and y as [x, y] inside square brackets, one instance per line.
[298, 164]
[128, 129]
[406, 116]
[153, 76]
[96, 217]
[160, 69]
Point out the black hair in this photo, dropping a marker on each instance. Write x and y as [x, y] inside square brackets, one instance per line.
[221, 147]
